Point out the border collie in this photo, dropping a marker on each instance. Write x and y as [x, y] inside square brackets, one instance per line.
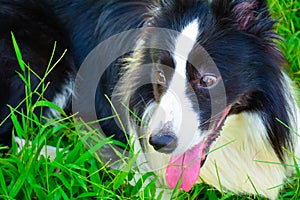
[202, 85]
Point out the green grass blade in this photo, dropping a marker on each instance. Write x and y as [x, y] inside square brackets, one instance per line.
[122, 175]
[18, 52]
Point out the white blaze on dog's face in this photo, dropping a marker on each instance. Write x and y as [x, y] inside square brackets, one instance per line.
[175, 114]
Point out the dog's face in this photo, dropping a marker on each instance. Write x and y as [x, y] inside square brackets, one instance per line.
[208, 62]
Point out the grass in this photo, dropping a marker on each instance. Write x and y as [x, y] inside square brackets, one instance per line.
[77, 174]
[288, 15]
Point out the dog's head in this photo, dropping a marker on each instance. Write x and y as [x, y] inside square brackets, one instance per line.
[195, 64]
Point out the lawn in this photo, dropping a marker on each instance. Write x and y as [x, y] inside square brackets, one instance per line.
[76, 173]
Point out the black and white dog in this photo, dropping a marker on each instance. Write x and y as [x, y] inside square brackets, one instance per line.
[203, 87]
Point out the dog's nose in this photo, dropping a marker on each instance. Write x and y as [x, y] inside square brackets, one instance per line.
[165, 142]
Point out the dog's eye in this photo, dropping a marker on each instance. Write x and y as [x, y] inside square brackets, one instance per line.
[207, 81]
[160, 77]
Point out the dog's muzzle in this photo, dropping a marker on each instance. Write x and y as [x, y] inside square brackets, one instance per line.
[165, 141]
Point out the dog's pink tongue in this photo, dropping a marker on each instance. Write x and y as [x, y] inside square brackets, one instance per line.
[185, 167]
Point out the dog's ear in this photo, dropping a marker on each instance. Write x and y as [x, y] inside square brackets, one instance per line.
[246, 15]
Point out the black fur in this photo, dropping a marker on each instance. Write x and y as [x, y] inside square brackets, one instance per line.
[89, 23]
[36, 31]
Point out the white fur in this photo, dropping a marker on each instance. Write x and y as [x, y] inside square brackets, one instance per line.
[61, 99]
[171, 108]
[46, 151]
[247, 154]
[175, 106]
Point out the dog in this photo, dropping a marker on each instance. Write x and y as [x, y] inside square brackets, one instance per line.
[201, 88]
